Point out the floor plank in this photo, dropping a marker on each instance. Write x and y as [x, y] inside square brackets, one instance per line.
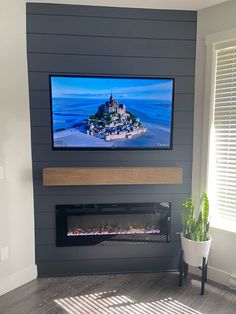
[118, 294]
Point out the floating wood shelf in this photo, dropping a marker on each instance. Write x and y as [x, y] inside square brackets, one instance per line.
[112, 176]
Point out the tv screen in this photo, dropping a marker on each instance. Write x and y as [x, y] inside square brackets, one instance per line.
[111, 112]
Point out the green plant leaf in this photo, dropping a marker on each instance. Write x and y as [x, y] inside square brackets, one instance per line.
[195, 229]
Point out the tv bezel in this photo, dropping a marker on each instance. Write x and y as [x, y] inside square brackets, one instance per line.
[88, 148]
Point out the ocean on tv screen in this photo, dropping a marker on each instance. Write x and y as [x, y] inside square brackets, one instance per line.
[111, 112]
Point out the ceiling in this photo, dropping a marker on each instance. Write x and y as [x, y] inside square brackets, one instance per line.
[149, 4]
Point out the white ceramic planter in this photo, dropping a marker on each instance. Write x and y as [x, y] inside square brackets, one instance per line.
[194, 251]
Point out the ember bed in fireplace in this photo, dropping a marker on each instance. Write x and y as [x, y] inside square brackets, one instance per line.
[92, 224]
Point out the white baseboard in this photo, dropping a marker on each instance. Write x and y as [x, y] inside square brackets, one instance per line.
[15, 280]
[214, 274]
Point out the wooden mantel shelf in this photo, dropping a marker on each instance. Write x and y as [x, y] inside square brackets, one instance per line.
[111, 176]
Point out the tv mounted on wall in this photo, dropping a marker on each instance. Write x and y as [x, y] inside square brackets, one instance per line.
[90, 112]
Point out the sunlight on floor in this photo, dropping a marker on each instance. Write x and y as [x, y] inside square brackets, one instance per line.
[112, 303]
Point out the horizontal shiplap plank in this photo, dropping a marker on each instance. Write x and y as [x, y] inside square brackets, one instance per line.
[101, 11]
[46, 43]
[41, 99]
[109, 27]
[183, 136]
[42, 135]
[179, 153]
[110, 65]
[45, 237]
[52, 253]
[121, 190]
[40, 81]
[75, 267]
[42, 117]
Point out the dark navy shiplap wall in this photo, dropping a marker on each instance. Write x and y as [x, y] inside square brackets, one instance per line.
[66, 39]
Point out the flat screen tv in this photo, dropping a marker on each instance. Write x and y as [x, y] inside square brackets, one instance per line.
[111, 112]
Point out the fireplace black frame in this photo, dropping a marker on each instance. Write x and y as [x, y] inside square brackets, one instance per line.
[63, 211]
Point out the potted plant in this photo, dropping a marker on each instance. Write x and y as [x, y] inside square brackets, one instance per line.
[195, 238]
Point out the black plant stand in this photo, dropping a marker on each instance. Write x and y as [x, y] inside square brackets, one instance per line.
[183, 271]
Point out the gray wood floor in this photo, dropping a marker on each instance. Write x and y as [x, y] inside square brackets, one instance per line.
[118, 294]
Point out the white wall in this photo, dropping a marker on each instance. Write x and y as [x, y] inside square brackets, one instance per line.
[16, 191]
[212, 20]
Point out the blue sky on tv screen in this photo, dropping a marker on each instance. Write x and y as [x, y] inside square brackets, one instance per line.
[122, 88]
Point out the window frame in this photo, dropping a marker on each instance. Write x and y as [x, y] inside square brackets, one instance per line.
[213, 42]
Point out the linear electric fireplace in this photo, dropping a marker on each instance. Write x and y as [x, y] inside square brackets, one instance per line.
[92, 224]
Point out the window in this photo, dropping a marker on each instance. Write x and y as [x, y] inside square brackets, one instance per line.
[223, 139]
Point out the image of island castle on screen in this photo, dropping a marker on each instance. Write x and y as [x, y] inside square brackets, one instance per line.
[105, 112]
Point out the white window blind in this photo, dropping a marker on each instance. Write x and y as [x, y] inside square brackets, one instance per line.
[225, 135]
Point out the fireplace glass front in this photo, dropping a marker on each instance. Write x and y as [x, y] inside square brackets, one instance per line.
[95, 223]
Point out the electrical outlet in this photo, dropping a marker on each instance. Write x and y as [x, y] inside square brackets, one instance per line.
[4, 254]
